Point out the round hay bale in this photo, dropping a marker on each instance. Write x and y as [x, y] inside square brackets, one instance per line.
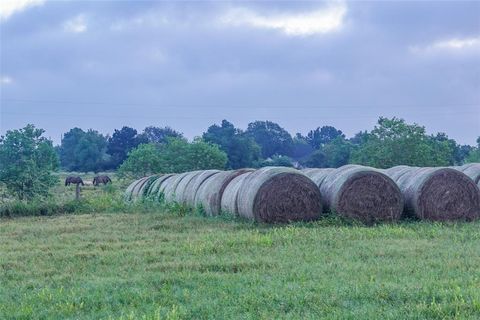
[137, 189]
[155, 188]
[438, 194]
[166, 183]
[305, 170]
[209, 194]
[278, 194]
[171, 186]
[228, 203]
[194, 184]
[151, 183]
[143, 192]
[180, 191]
[361, 193]
[472, 170]
[395, 173]
[318, 175]
[128, 192]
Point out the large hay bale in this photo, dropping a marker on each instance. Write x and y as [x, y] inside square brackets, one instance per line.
[195, 183]
[137, 189]
[209, 194]
[148, 188]
[279, 194]
[128, 192]
[472, 170]
[438, 194]
[171, 186]
[181, 190]
[155, 188]
[228, 203]
[318, 175]
[143, 192]
[361, 193]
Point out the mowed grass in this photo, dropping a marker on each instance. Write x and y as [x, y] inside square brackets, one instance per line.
[164, 266]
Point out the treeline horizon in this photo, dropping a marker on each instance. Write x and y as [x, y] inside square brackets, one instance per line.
[391, 142]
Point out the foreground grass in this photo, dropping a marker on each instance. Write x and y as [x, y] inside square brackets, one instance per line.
[162, 266]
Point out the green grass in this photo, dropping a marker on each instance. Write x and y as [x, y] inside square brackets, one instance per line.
[62, 200]
[165, 266]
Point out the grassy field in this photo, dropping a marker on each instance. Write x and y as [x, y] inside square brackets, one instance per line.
[167, 266]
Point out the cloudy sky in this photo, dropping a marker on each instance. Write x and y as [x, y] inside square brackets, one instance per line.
[102, 65]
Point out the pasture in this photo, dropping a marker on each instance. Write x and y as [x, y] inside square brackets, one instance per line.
[168, 265]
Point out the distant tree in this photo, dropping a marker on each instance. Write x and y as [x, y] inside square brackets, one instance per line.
[242, 150]
[474, 155]
[393, 142]
[276, 161]
[179, 155]
[141, 161]
[204, 155]
[83, 151]
[273, 139]
[69, 143]
[317, 159]
[359, 138]
[321, 136]
[27, 161]
[160, 135]
[91, 152]
[121, 142]
[337, 152]
[301, 149]
[462, 152]
[459, 152]
[176, 155]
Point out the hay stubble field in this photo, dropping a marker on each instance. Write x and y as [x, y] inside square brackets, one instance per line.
[168, 266]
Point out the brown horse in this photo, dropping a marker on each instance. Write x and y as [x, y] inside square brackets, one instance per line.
[73, 180]
[101, 179]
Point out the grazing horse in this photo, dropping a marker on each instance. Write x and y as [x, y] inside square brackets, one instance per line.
[101, 179]
[74, 180]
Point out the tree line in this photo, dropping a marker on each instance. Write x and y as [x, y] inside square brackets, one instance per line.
[391, 142]
[27, 159]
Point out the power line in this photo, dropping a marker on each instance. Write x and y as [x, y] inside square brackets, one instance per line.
[198, 106]
[139, 116]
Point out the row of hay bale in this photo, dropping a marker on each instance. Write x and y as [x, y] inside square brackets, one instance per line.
[371, 195]
[271, 194]
[278, 194]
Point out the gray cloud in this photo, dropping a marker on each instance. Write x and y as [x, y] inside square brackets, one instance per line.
[144, 63]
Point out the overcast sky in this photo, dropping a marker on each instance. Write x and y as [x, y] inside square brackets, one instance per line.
[188, 65]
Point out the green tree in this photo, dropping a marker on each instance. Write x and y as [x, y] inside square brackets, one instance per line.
[321, 136]
[70, 141]
[27, 161]
[160, 135]
[276, 161]
[301, 149]
[317, 159]
[474, 155]
[242, 151]
[394, 142]
[121, 142]
[273, 139]
[337, 152]
[141, 161]
[458, 152]
[177, 155]
[334, 154]
[83, 151]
